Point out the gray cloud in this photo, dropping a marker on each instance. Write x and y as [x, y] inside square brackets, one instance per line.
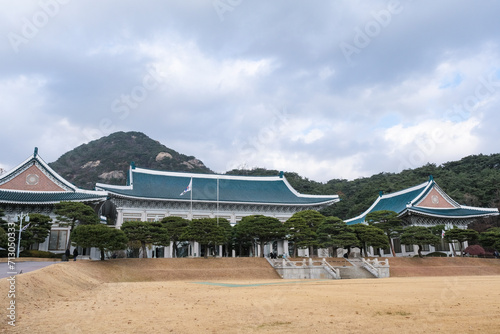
[215, 84]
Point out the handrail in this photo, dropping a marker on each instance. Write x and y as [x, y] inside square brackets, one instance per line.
[335, 271]
[285, 262]
[368, 266]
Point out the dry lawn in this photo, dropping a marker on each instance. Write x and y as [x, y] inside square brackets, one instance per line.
[172, 296]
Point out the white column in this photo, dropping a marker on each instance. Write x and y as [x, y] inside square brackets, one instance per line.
[196, 249]
[119, 218]
[170, 250]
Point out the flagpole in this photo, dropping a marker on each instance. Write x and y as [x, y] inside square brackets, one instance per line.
[191, 209]
[21, 217]
[217, 201]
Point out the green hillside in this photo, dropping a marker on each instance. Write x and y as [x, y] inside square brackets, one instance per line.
[107, 159]
[473, 180]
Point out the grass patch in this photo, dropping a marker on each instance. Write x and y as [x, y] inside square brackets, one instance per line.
[400, 313]
[275, 323]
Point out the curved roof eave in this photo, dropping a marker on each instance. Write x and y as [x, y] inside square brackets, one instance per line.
[49, 202]
[424, 185]
[332, 201]
[422, 213]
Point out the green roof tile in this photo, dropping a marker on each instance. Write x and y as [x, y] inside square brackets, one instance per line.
[234, 189]
[26, 197]
[404, 201]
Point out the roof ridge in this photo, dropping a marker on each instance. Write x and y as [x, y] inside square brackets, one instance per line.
[36, 158]
[205, 176]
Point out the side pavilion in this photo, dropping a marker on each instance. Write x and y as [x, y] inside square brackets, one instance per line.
[425, 205]
[34, 187]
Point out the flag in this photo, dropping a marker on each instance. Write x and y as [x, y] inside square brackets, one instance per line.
[188, 188]
[25, 227]
[442, 234]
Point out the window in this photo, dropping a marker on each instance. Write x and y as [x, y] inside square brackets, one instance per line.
[425, 248]
[57, 240]
[132, 218]
[409, 248]
[397, 245]
[129, 217]
[443, 246]
[155, 218]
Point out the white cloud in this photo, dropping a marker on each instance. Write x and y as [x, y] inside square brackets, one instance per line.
[190, 71]
[431, 141]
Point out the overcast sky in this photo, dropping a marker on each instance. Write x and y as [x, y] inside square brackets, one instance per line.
[327, 89]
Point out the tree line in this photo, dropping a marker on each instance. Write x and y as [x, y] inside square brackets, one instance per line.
[304, 230]
[473, 180]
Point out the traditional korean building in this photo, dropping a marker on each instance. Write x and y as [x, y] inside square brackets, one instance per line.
[425, 205]
[151, 195]
[34, 187]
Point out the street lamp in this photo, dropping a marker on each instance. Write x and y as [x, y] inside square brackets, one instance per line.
[20, 218]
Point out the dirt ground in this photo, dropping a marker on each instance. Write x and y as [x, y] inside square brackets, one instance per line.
[147, 296]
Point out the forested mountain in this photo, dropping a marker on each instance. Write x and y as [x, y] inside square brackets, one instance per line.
[473, 180]
[107, 159]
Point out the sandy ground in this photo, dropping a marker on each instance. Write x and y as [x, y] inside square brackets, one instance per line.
[92, 297]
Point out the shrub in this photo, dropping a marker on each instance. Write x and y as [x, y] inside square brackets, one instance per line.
[37, 253]
[437, 254]
[475, 250]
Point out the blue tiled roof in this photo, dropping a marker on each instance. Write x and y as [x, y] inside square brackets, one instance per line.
[234, 189]
[404, 201]
[461, 212]
[396, 202]
[34, 197]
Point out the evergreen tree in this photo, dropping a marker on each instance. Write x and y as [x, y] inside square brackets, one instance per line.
[490, 238]
[100, 236]
[302, 227]
[262, 229]
[333, 233]
[461, 236]
[73, 213]
[369, 235]
[175, 227]
[300, 233]
[418, 235]
[389, 222]
[207, 232]
[36, 230]
[146, 233]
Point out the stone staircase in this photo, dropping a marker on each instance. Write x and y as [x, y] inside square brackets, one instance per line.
[354, 272]
[354, 268]
[305, 269]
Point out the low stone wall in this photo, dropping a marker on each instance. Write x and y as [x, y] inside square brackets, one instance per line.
[304, 273]
[304, 269]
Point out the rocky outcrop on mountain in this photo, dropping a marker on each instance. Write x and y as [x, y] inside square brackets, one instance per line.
[108, 159]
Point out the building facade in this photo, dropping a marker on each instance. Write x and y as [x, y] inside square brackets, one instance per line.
[151, 195]
[34, 187]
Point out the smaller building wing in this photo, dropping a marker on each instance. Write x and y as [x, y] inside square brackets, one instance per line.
[426, 199]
